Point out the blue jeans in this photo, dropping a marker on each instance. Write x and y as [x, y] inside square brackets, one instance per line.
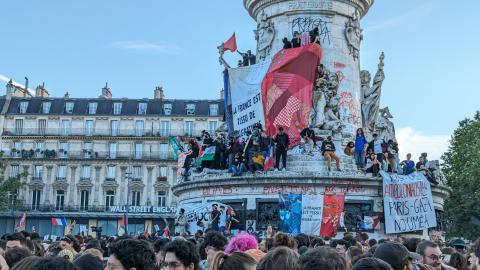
[238, 169]
[359, 158]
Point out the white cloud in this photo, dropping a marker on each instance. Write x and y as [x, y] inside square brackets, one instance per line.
[142, 45]
[415, 142]
[420, 11]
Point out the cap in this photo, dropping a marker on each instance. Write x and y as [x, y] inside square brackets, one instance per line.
[393, 253]
[458, 243]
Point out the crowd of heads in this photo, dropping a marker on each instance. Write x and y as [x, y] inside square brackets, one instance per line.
[214, 251]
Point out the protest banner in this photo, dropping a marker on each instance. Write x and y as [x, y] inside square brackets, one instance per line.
[332, 214]
[198, 215]
[301, 213]
[408, 204]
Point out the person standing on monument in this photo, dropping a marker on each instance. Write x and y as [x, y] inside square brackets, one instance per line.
[360, 145]
[282, 141]
[376, 146]
[328, 151]
[296, 42]
[215, 217]
[180, 222]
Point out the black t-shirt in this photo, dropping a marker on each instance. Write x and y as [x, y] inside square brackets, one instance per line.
[215, 216]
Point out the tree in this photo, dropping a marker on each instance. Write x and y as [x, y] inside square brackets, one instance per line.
[462, 169]
[8, 185]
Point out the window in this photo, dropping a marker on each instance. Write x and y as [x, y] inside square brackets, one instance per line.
[60, 200]
[114, 128]
[139, 128]
[136, 173]
[213, 109]
[89, 127]
[135, 198]
[165, 128]
[69, 107]
[61, 172]
[111, 172]
[189, 128]
[212, 126]
[16, 149]
[167, 109]
[63, 150]
[92, 108]
[142, 108]
[112, 150]
[23, 107]
[86, 171]
[37, 172]
[12, 198]
[42, 126]
[117, 108]
[109, 198]
[163, 150]
[84, 194]
[36, 194]
[190, 109]
[162, 171]
[87, 149]
[138, 150]
[18, 126]
[65, 127]
[14, 170]
[161, 198]
[39, 149]
[46, 107]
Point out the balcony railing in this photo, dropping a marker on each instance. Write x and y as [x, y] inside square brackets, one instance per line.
[88, 154]
[102, 132]
[61, 208]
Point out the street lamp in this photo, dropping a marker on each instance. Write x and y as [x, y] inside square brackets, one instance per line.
[128, 177]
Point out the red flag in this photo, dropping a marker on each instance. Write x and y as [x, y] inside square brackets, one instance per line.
[22, 222]
[230, 44]
[147, 231]
[166, 231]
[287, 90]
[269, 160]
[332, 210]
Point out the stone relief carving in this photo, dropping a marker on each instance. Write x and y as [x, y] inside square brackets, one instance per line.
[264, 35]
[383, 126]
[371, 95]
[353, 34]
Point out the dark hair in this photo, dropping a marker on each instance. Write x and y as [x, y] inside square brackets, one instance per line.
[160, 244]
[50, 263]
[458, 261]
[475, 248]
[283, 239]
[236, 260]
[38, 249]
[27, 263]
[88, 262]
[94, 243]
[318, 242]
[280, 258]
[74, 241]
[371, 263]
[133, 253]
[423, 245]
[216, 240]
[322, 258]
[412, 243]
[17, 237]
[375, 135]
[354, 254]
[372, 242]
[302, 240]
[185, 252]
[16, 254]
[343, 242]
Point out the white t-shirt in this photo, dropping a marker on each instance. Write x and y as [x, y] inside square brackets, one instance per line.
[223, 218]
[377, 146]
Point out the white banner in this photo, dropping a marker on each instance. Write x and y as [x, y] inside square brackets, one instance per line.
[408, 204]
[246, 95]
[198, 215]
[312, 211]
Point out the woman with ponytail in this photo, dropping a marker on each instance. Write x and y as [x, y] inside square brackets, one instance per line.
[234, 261]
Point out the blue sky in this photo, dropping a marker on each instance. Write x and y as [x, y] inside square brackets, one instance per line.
[431, 52]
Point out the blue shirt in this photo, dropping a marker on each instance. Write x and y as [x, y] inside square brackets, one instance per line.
[360, 142]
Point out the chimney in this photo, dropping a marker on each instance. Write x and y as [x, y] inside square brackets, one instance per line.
[10, 88]
[158, 94]
[106, 93]
[40, 91]
[66, 95]
[222, 94]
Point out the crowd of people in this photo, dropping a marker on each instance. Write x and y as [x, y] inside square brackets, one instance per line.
[214, 251]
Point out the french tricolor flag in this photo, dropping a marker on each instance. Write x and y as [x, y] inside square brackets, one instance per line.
[268, 165]
[59, 221]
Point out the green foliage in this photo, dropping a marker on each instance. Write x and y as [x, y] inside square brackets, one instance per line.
[8, 185]
[462, 169]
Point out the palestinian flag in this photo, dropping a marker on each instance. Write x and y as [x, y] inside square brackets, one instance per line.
[176, 143]
[122, 227]
[206, 155]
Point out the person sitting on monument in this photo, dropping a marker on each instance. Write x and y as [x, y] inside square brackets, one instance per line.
[376, 146]
[258, 161]
[194, 150]
[237, 167]
[392, 150]
[408, 165]
[373, 165]
[315, 36]
[349, 149]
[282, 141]
[328, 151]
[286, 43]
[308, 139]
[322, 75]
[248, 58]
[296, 42]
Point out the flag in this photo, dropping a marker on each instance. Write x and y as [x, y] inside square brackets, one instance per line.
[176, 143]
[269, 160]
[206, 155]
[72, 225]
[22, 222]
[166, 231]
[332, 211]
[147, 231]
[287, 90]
[59, 221]
[230, 44]
[122, 229]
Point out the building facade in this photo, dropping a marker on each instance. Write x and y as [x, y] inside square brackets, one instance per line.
[87, 159]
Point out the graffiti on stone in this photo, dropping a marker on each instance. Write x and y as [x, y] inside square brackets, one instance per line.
[306, 24]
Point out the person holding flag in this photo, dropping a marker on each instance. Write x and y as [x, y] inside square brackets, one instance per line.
[193, 154]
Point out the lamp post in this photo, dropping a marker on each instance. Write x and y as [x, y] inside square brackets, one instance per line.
[128, 177]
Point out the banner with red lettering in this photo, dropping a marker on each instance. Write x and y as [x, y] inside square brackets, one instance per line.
[408, 203]
[332, 212]
[287, 90]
